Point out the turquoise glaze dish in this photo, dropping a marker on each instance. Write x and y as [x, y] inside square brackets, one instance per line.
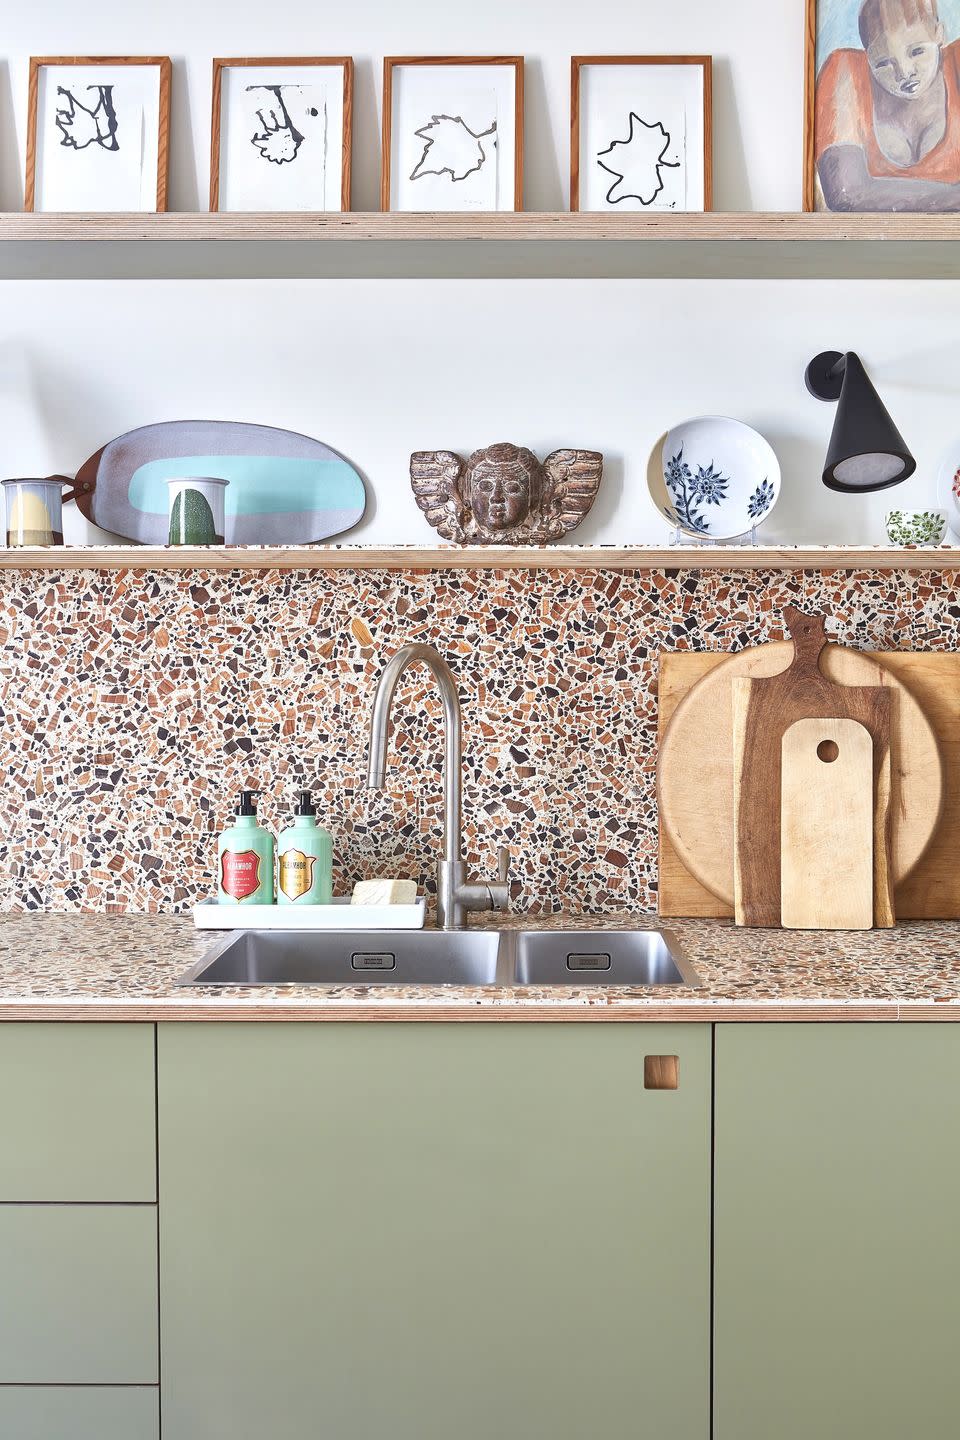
[284, 488]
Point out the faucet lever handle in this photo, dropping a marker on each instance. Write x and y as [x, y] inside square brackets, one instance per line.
[503, 863]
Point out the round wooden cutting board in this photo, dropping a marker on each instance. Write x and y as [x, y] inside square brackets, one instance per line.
[695, 775]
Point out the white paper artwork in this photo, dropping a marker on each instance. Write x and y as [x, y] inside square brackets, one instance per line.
[281, 137]
[452, 140]
[640, 158]
[641, 137]
[97, 137]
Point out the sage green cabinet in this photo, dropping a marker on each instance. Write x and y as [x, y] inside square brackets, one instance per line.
[427, 1230]
[77, 1112]
[78, 1294]
[837, 1194]
[79, 1412]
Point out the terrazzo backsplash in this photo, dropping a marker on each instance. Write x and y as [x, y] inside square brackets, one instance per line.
[135, 705]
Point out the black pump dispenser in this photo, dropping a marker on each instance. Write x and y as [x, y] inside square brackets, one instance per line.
[248, 802]
[305, 805]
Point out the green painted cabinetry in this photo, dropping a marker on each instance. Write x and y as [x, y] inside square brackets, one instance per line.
[837, 1195]
[78, 1294]
[424, 1230]
[78, 1232]
[77, 1112]
[79, 1412]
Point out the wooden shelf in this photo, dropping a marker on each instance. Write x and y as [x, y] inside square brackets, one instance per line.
[716, 244]
[766, 227]
[553, 557]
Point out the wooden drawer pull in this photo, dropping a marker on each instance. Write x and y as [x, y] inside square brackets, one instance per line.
[661, 1072]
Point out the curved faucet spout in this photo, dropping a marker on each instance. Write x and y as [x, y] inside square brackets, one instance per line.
[457, 894]
[380, 734]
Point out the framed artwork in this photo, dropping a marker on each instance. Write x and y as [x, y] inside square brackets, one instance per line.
[452, 133]
[280, 135]
[98, 133]
[882, 106]
[641, 132]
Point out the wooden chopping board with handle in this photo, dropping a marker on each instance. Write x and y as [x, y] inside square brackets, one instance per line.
[695, 788]
[764, 709]
[826, 826]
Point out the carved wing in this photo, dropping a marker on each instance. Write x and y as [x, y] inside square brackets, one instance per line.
[573, 479]
[435, 476]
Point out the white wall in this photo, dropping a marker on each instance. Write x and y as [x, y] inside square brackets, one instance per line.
[757, 45]
[378, 368]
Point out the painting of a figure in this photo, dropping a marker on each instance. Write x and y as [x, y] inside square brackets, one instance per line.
[883, 106]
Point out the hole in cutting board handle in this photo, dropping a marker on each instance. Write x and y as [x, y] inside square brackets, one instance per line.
[827, 751]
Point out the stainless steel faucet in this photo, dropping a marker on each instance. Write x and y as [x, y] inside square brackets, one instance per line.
[456, 895]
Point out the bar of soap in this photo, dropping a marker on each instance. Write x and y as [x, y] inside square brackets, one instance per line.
[384, 892]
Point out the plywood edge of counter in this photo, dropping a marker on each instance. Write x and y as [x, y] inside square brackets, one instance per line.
[686, 1011]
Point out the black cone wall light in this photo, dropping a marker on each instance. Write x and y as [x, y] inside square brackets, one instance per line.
[866, 450]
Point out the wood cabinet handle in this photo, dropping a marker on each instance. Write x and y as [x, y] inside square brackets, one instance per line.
[661, 1072]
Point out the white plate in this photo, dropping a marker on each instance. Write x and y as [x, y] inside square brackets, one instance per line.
[714, 478]
[338, 915]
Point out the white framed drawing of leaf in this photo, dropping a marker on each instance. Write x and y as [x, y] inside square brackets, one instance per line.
[642, 135]
[97, 135]
[451, 138]
[281, 135]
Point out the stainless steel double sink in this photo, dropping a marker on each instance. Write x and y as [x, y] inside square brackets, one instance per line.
[445, 957]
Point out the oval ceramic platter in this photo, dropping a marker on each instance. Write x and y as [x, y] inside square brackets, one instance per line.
[285, 489]
[714, 478]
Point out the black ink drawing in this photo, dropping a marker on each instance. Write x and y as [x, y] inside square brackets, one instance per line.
[278, 140]
[452, 148]
[640, 159]
[82, 125]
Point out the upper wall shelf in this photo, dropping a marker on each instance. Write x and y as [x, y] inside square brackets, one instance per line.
[481, 557]
[454, 245]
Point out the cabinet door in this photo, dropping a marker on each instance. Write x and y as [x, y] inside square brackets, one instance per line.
[837, 1257]
[427, 1230]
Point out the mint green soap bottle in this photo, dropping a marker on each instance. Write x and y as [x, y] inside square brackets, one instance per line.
[245, 858]
[305, 863]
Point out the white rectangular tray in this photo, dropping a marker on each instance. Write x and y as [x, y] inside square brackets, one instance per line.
[338, 915]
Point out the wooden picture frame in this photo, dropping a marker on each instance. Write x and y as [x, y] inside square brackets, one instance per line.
[37, 63]
[580, 62]
[809, 104]
[394, 62]
[344, 62]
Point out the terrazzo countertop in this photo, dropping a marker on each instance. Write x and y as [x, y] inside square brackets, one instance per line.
[125, 967]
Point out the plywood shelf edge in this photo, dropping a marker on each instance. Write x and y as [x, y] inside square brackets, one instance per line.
[764, 227]
[362, 557]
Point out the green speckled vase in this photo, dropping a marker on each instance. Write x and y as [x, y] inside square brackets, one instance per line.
[196, 510]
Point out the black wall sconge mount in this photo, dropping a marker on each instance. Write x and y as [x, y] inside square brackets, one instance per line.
[866, 450]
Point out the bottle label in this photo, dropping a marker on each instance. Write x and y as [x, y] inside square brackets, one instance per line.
[240, 873]
[296, 873]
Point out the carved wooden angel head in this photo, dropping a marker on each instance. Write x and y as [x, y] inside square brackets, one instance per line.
[504, 494]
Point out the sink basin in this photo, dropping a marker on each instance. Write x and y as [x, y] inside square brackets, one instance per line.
[350, 957]
[601, 957]
[438, 957]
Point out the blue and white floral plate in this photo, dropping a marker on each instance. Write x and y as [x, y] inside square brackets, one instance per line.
[714, 478]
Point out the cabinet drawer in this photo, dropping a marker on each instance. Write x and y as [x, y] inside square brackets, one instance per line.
[79, 1412]
[77, 1112]
[78, 1294]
